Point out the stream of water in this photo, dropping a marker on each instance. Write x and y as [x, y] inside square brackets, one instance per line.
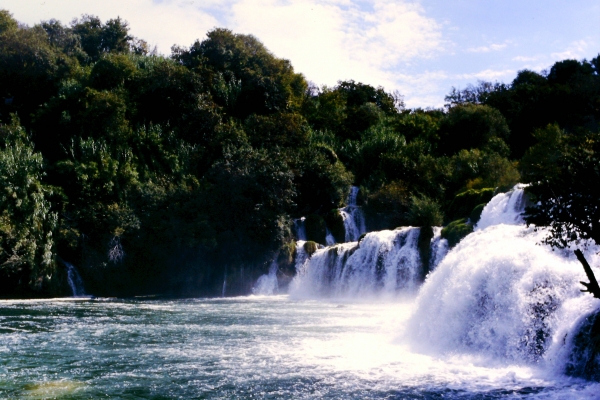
[245, 347]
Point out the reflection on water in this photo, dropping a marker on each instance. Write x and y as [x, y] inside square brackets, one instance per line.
[257, 346]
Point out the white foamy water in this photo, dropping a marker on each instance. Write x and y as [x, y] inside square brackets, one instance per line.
[504, 208]
[267, 284]
[439, 248]
[246, 347]
[385, 262]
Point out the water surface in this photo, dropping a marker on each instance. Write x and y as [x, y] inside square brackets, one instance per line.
[247, 347]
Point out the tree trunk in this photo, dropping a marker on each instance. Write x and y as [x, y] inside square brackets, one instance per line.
[591, 287]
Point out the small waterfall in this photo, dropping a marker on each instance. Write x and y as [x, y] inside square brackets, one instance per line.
[504, 208]
[385, 262]
[354, 220]
[267, 285]
[329, 239]
[301, 257]
[300, 229]
[74, 280]
[224, 285]
[439, 248]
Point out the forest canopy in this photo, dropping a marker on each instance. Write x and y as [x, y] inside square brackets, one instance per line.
[169, 174]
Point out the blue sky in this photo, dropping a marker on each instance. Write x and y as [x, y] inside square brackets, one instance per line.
[419, 48]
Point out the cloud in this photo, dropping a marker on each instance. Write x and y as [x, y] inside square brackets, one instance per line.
[161, 23]
[338, 39]
[487, 49]
[327, 40]
[576, 50]
[487, 75]
[526, 59]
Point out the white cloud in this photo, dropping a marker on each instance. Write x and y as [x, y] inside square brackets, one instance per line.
[576, 50]
[337, 39]
[526, 59]
[488, 75]
[487, 49]
[161, 23]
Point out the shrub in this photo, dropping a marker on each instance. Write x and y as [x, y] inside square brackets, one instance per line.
[310, 247]
[476, 213]
[463, 203]
[456, 231]
[424, 211]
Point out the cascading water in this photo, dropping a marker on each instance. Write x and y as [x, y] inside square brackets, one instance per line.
[384, 262]
[329, 239]
[354, 220]
[504, 208]
[74, 280]
[267, 285]
[500, 294]
[300, 228]
[439, 248]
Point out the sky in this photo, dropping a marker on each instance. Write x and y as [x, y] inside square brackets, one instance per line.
[420, 48]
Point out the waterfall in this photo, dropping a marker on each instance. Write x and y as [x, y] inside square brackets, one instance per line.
[354, 220]
[439, 248]
[300, 228]
[266, 284]
[329, 239]
[504, 208]
[501, 294]
[74, 280]
[224, 284]
[384, 263]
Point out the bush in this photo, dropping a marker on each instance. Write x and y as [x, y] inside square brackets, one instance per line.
[424, 211]
[310, 247]
[465, 202]
[456, 231]
[476, 213]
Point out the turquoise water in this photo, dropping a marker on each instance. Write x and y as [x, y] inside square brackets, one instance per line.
[247, 347]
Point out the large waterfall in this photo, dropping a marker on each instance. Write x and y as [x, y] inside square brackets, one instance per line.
[498, 294]
[501, 294]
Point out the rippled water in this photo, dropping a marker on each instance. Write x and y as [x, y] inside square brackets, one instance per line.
[248, 347]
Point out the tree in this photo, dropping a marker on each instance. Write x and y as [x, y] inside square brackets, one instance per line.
[26, 219]
[566, 194]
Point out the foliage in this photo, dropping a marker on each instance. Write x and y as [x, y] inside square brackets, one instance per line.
[566, 193]
[463, 203]
[455, 231]
[424, 211]
[310, 247]
[27, 221]
[161, 174]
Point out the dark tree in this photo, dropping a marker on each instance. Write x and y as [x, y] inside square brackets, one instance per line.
[564, 171]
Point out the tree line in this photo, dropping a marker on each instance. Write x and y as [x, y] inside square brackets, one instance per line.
[176, 174]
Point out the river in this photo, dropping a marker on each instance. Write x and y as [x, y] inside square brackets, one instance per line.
[245, 347]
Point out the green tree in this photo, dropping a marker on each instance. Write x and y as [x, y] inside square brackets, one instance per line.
[27, 259]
